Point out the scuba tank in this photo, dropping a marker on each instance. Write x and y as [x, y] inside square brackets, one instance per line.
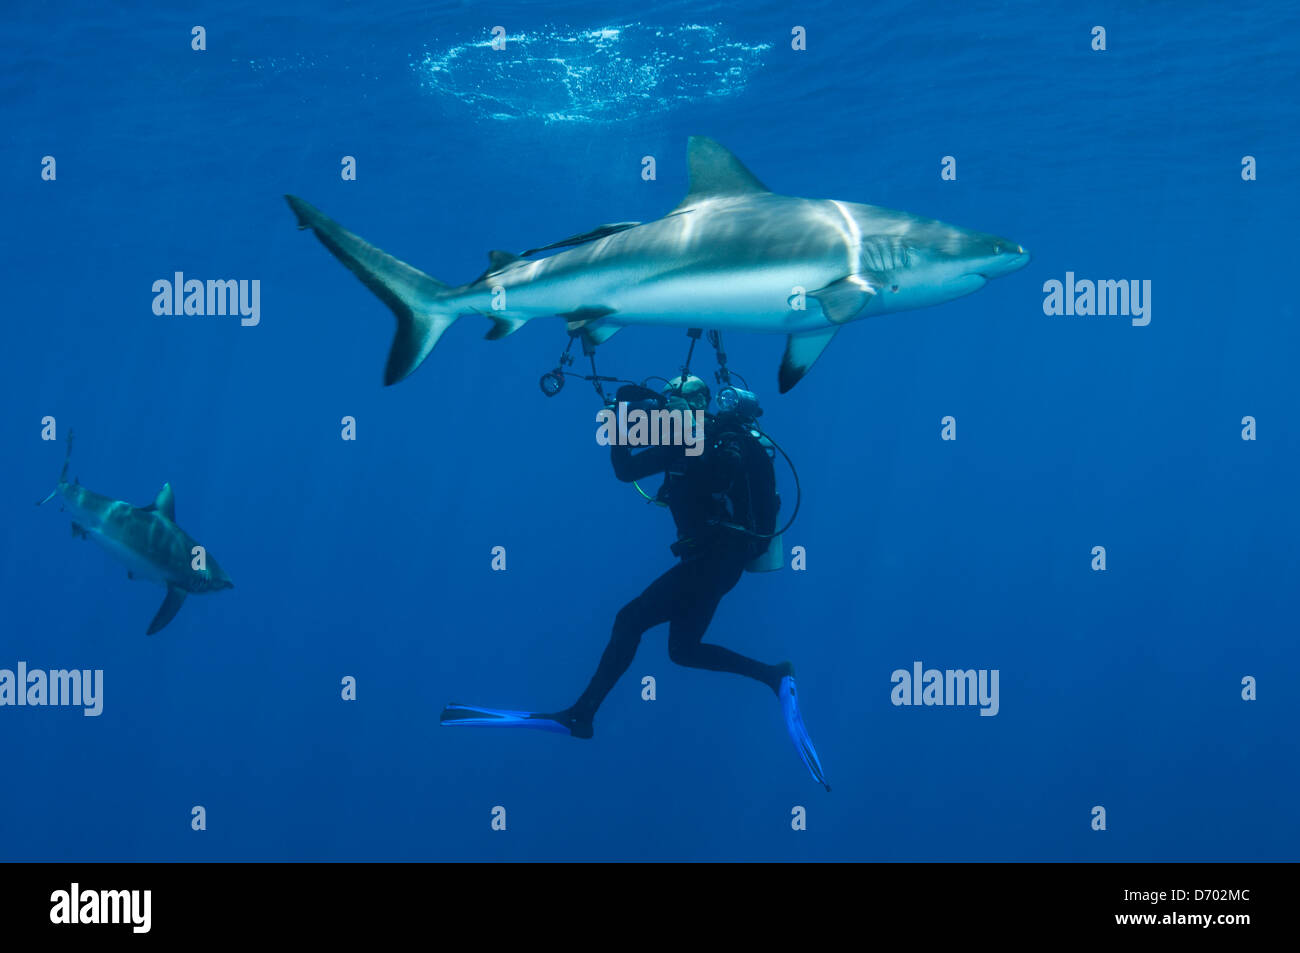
[771, 558]
[761, 500]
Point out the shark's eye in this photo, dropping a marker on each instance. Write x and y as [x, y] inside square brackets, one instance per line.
[894, 289]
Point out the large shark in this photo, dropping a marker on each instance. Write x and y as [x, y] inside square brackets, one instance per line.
[731, 256]
[145, 538]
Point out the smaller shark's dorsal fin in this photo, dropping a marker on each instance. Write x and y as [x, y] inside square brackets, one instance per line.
[164, 502]
[715, 171]
[499, 259]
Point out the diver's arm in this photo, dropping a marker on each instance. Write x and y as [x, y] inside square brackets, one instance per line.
[648, 462]
[651, 460]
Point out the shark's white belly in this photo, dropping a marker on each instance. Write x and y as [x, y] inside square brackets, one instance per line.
[757, 300]
[742, 300]
[761, 299]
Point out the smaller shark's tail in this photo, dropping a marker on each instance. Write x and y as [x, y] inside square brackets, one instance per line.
[412, 295]
[63, 474]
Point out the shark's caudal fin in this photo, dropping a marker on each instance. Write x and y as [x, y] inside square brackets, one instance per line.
[414, 297]
[63, 474]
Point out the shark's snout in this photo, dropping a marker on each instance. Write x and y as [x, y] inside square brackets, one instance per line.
[213, 579]
[1009, 258]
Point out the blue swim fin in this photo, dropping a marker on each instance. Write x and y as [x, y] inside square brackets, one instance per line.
[455, 714]
[798, 733]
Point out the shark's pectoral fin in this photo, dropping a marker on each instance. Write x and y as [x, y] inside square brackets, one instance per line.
[801, 353]
[501, 327]
[78, 530]
[841, 302]
[844, 300]
[171, 605]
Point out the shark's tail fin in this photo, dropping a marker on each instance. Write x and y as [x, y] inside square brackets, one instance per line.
[412, 295]
[63, 474]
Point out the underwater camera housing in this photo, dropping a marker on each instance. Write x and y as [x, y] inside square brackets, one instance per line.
[736, 400]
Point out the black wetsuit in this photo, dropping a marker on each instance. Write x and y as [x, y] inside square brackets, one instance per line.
[699, 490]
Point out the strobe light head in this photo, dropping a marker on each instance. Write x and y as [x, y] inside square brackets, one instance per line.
[552, 382]
[737, 400]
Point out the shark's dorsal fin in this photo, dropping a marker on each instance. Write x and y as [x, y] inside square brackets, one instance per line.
[164, 502]
[714, 171]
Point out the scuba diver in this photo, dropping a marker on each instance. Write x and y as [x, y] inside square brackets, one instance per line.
[724, 503]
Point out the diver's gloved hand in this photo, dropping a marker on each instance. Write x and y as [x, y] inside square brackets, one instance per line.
[636, 394]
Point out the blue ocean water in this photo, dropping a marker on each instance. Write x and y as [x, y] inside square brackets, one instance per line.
[372, 558]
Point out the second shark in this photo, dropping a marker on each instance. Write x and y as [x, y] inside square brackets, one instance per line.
[144, 538]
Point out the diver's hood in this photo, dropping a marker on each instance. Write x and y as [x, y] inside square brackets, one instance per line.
[691, 389]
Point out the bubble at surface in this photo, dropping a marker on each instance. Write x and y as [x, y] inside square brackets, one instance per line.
[555, 74]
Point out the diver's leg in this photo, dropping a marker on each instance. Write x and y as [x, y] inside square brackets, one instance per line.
[692, 614]
[653, 607]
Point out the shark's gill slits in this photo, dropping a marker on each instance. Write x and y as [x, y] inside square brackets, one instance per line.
[885, 255]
